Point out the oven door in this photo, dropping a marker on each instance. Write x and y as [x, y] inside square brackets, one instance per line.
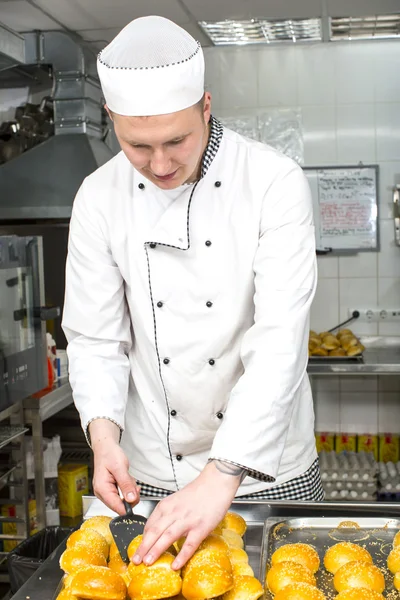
[23, 348]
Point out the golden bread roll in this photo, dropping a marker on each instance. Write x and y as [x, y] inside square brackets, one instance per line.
[312, 344]
[98, 583]
[338, 555]
[90, 538]
[232, 538]
[66, 581]
[101, 525]
[348, 341]
[396, 540]
[355, 350]
[206, 575]
[152, 582]
[214, 542]
[323, 334]
[393, 560]
[359, 574]
[338, 352]
[284, 573]
[316, 338]
[396, 581]
[237, 555]
[117, 565]
[66, 595]
[330, 342]
[359, 594]
[319, 352]
[313, 333]
[242, 568]
[304, 554]
[234, 522]
[245, 588]
[113, 550]
[73, 559]
[133, 546]
[344, 333]
[300, 591]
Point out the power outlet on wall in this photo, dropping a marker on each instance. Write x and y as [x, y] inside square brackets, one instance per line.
[376, 315]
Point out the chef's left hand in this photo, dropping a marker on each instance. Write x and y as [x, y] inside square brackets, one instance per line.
[193, 512]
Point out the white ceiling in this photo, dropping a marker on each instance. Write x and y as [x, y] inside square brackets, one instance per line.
[98, 21]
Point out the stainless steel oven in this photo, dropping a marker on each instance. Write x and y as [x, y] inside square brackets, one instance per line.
[23, 348]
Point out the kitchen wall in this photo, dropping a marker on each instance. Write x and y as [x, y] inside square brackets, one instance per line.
[349, 97]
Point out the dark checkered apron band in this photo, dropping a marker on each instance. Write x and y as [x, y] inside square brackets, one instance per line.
[306, 487]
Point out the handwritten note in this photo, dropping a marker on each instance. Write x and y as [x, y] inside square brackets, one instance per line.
[346, 201]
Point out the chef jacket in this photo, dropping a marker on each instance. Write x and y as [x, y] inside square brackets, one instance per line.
[187, 314]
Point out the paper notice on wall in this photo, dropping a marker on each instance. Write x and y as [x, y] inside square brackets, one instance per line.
[345, 207]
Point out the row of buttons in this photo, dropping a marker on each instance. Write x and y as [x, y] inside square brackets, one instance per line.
[173, 413]
[161, 304]
[153, 245]
[141, 186]
[211, 361]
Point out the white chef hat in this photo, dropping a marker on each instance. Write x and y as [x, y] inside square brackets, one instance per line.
[152, 67]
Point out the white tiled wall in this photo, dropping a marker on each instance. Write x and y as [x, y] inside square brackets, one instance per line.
[349, 96]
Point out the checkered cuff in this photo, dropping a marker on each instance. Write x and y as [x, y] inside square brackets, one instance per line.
[249, 472]
[86, 429]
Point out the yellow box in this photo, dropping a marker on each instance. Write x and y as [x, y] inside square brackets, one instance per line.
[325, 442]
[389, 447]
[346, 441]
[10, 510]
[368, 443]
[73, 483]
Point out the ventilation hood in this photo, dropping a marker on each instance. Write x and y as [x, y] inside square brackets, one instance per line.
[41, 183]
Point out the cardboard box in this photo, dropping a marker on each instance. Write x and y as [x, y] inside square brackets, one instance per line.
[368, 443]
[389, 447]
[325, 442]
[73, 483]
[346, 441]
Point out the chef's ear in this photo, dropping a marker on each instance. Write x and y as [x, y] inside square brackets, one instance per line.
[109, 112]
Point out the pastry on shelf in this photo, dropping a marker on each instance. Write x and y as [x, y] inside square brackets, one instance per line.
[284, 573]
[359, 574]
[343, 552]
[304, 554]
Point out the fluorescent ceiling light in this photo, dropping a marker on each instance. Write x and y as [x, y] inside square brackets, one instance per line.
[260, 31]
[365, 28]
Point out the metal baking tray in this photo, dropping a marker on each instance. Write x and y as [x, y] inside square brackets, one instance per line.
[375, 534]
[341, 359]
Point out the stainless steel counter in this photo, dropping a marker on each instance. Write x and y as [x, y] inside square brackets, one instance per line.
[44, 583]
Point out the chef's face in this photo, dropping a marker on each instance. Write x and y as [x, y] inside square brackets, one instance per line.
[167, 149]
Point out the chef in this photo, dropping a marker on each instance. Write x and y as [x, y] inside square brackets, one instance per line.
[190, 275]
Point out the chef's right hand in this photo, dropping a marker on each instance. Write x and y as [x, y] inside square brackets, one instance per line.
[111, 467]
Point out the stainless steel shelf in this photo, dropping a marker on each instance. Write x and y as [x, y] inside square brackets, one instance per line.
[376, 361]
[50, 404]
[8, 433]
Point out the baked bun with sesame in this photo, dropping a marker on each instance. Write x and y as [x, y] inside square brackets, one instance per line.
[300, 591]
[97, 583]
[359, 574]
[156, 581]
[396, 540]
[101, 525]
[72, 559]
[89, 538]
[284, 573]
[338, 555]
[359, 594]
[304, 554]
[244, 588]
[396, 581]
[208, 573]
[393, 560]
[232, 538]
[234, 522]
[65, 595]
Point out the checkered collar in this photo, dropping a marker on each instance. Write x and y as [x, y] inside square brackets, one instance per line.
[213, 145]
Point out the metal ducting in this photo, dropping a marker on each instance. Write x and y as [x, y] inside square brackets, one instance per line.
[41, 182]
[12, 48]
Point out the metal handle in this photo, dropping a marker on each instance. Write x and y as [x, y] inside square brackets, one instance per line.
[355, 315]
[128, 508]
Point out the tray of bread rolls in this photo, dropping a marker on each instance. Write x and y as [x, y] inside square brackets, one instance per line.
[342, 346]
[326, 558]
[94, 570]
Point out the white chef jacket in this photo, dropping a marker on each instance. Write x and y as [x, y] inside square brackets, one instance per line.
[187, 314]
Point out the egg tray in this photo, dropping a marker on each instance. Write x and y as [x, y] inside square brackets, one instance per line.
[375, 534]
